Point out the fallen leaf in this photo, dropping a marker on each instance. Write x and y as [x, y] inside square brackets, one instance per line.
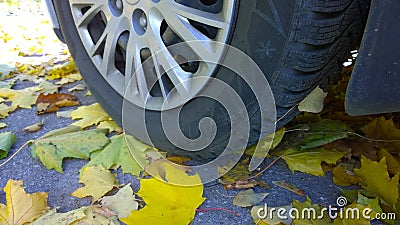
[122, 203]
[79, 87]
[242, 184]
[376, 179]
[54, 218]
[52, 102]
[94, 216]
[118, 154]
[51, 150]
[111, 125]
[7, 140]
[289, 187]
[166, 202]
[3, 125]
[70, 78]
[178, 159]
[344, 177]
[309, 161]
[157, 168]
[97, 180]
[66, 114]
[88, 93]
[34, 127]
[384, 130]
[5, 70]
[266, 144]
[46, 88]
[6, 84]
[60, 71]
[314, 102]
[5, 110]
[248, 198]
[89, 115]
[321, 133]
[21, 207]
[19, 98]
[392, 163]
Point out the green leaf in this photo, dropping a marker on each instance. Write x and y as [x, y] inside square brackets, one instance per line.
[376, 179]
[309, 161]
[321, 133]
[52, 149]
[117, 153]
[7, 140]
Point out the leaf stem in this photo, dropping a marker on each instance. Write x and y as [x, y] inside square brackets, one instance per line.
[265, 169]
[371, 139]
[13, 155]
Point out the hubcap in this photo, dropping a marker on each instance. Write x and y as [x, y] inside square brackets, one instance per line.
[119, 35]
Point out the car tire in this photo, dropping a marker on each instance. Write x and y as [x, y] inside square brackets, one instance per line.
[297, 44]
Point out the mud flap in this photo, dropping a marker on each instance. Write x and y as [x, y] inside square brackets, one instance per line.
[375, 82]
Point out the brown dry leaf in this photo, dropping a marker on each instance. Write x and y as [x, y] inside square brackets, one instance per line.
[52, 102]
[289, 187]
[243, 184]
[21, 207]
[355, 147]
[35, 127]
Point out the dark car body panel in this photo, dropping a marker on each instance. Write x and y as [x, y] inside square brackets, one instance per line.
[375, 81]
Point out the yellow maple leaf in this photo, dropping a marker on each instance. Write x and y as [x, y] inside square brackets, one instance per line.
[309, 161]
[166, 202]
[386, 130]
[110, 125]
[376, 179]
[98, 181]
[89, 115]
[21, 207]
[19, 98]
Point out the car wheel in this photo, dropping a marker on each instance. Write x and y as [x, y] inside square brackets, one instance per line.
[297, 44]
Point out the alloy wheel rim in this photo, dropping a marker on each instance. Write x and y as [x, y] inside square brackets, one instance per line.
[128, 40]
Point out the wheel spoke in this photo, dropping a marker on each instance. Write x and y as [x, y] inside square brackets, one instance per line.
[113, 31]
[95, 49]
[89, 15]
[189, 34]
[162, 58]
[207, 18]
